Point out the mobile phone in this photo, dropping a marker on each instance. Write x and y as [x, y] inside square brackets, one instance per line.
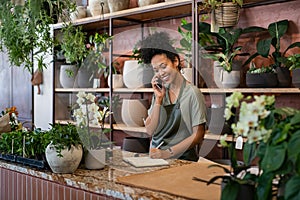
[159, 84]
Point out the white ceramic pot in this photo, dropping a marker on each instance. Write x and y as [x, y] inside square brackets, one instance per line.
[134, 111]
[95, 159]
[95, 7]
[79, 13]
[117, 81]
[146, 2]
[230, 79]
[69, 161]
[137, 75]
[67, 81]
[217, 74]
[117, 5]
[187, 73]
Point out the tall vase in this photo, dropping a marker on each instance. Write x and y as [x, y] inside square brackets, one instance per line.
[85, 78]
[66, 80]
[137, 75]
[134, 111]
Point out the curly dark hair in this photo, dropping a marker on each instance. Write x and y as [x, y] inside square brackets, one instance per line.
[156, 44]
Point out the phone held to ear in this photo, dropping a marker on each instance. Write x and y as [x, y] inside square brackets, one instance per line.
[159, 84]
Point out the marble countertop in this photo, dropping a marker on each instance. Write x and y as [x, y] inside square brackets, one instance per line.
[102, 181]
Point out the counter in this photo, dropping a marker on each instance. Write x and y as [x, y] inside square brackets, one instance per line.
[82, 184]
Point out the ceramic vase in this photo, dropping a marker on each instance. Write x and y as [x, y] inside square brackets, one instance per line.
[67, 81]
[98, 7]
[230, 79]
[134, 111]
[69, 161]
[95, 159]
[146, 2]
[117, 81]
[117, 5]
[85, 78]
[79, 13]
[137, 75]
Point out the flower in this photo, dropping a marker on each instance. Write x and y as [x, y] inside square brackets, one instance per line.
[89, 113]
[13, 118]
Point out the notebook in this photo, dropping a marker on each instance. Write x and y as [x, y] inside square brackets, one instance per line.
[145, 161]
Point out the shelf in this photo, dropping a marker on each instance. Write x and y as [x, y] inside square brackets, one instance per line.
[159, 11]
[251, 90]
[142, 130]
[203, 90]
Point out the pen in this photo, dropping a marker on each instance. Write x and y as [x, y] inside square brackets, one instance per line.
[160, 145]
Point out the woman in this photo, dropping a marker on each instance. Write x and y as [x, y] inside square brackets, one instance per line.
[177, 116]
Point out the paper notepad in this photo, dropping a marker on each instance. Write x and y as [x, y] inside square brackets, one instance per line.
[145, 161]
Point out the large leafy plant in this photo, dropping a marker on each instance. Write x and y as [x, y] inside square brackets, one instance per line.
[225, 48]
[276, 31]
[25, 30]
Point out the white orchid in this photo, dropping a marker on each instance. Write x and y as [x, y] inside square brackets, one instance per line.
[250, 115]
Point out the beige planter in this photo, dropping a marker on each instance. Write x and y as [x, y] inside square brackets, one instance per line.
[95, 7]
[134, 111]
[117, 81]
[69, 161]
[95, 159]
[230, 79]
[187, 73]
[146, 2]
[117, 5]
[79, 13]
[227, 15]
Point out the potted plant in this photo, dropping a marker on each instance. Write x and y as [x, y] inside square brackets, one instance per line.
[224, 52]
[90, 125]
[293, 63]
[73, 48]
[271, 135]
[261, 77]
[64, 150]
[276, 30]
[29, 25]
[224, 13]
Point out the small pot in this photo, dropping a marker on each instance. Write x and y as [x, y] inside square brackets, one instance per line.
[261, 80]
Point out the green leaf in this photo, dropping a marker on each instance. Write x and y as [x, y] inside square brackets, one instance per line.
[264, 187]
[230, 191]
[274, 157]
[263, 47]
[292, 191]
[249, 153]
[278, 29]
[293, 146]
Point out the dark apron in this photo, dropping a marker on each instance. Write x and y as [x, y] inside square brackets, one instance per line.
[167, 129]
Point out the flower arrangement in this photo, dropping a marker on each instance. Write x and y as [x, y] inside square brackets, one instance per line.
[9, 119]
[271, 136]
[89, 114]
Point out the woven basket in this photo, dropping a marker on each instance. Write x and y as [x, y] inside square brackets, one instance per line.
[227, 15]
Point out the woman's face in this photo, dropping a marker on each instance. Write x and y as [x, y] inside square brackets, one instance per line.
[164, 68]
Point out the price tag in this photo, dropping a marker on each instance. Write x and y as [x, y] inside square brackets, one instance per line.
[239, 143]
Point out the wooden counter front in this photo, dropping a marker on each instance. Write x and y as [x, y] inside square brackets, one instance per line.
[22, 182]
